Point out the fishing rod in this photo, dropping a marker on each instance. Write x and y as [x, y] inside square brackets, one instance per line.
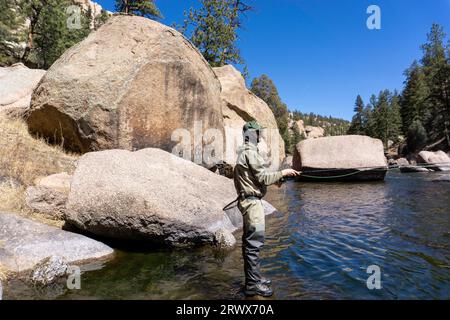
[391, 167]
[357, 170]
[354, 170]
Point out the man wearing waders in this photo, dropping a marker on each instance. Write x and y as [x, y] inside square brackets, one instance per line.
[251, 180]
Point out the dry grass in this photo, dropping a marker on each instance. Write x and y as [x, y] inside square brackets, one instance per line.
[3, 273]
[22, 160]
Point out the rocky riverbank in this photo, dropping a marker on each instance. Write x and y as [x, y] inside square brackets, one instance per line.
[156, 97]
[135, 118]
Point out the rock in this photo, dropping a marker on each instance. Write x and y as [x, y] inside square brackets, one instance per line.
[287, 163]
[390, 143]
[224, 169]
[391, 162]
[412, 169]
[440, 158]
[26, 243]
[46, 201]
[350, 157]
[59, 181]
[133, 83]
[154, 196]
[225, 239]
[91, 7]
[49, 195]
[314, 132]
[17, 83]
[405, 167]
[87, 5]
[301, 127]
[241, 105]
[402, 162]
[11, 182]
[48, 270]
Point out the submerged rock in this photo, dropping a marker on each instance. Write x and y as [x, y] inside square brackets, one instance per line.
[133, 83]
[241, 105]
[152, 195]
[406, 167]
[17, 83]
[343, 157]
[26, 243]
[437, 161]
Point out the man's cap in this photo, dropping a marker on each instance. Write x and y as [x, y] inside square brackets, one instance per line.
[252, 125]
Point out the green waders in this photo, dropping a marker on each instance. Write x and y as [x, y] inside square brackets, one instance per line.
[252, 238]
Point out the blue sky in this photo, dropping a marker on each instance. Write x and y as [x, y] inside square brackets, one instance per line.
[320, 53]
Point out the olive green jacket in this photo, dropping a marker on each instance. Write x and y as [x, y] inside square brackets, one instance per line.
[251, 178]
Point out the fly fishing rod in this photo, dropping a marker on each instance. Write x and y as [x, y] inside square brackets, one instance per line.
[354, 171]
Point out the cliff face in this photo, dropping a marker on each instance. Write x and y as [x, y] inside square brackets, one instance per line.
[86, 5]
[241, 105]
[90, 6]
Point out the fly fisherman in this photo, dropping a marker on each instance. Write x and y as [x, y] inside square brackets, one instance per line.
[251, 180]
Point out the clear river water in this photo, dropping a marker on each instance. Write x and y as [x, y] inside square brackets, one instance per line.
[319, 246]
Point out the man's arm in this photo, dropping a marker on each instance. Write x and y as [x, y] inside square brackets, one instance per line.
[256, 163]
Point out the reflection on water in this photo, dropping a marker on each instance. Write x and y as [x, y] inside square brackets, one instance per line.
[318, 247]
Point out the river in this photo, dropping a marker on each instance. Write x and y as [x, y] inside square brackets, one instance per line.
[318, 246]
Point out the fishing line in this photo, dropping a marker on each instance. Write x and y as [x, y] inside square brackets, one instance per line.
[360, 169]
[356, 171]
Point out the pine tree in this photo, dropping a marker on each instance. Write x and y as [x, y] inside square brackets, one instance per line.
[10, 32]
[265, 89]
[395, 119]
[356, 126]
[144, 8]
[215, 25]
[416, 136]
[53, 36]
[414, 100]
[436, 68]
[382, 114]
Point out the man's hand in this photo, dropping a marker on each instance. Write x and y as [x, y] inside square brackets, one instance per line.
[290, 173]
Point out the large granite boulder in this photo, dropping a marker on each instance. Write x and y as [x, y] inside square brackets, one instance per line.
[437, 161]
[132, 84]
[17, 83]
[154, 196]
[340, 158]
[241, 105]
[24, 244]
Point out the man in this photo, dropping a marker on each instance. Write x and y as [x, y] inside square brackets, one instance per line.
[251, 180]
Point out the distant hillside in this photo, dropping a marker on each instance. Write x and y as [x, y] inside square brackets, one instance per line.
[332, 126]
